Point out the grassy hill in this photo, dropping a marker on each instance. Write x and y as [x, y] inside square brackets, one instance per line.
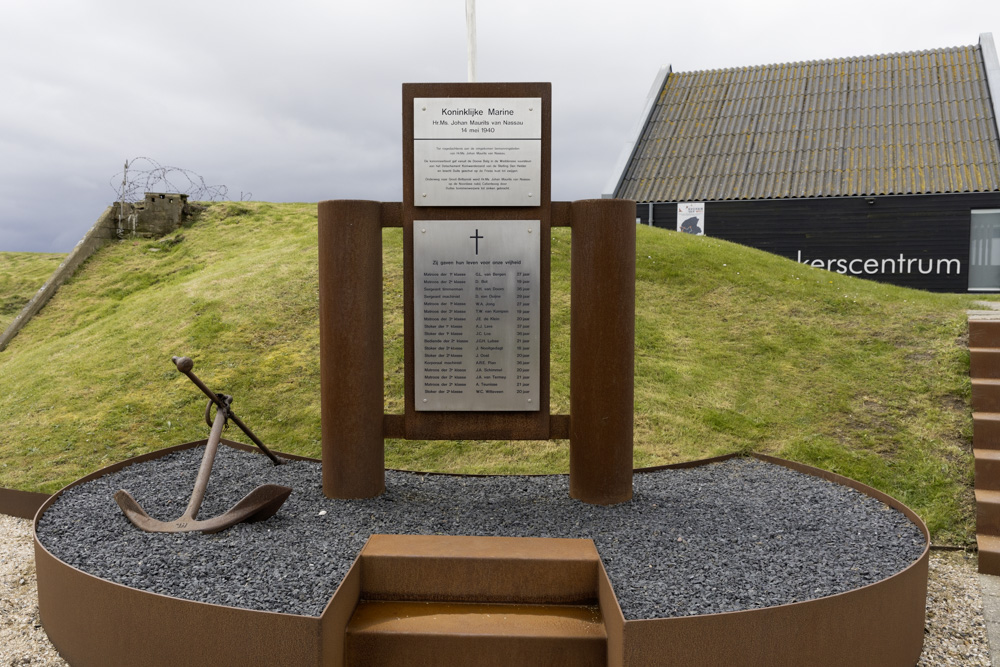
[736, 350]
[21, 274]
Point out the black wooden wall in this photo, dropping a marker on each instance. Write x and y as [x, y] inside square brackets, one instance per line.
[926, 228]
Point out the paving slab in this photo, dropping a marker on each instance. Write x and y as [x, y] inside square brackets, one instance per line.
[989, 585]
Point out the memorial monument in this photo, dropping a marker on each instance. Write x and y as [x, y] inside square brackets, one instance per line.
[477, 217]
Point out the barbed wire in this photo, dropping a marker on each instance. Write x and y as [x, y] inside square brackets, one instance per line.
[142, 174]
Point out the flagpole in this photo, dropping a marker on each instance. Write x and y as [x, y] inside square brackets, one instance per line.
[470, 26]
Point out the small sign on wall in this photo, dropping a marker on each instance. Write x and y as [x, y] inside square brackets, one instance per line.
[691, 218]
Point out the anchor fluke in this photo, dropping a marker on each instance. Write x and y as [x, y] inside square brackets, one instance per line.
[259, 504]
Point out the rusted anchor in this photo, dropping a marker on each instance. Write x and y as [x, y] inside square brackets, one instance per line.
[257, 505]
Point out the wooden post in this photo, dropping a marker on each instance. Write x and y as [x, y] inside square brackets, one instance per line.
[350, 331]
[602, 350]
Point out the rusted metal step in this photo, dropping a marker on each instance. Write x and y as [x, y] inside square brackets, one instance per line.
[984, 333]
[984, 362]
[987, 462]
[412, 634]
[987, 512]
[986, 430]
[463, 600]
[989, 554]
[984, 369]
[985, 395]
[479, 569]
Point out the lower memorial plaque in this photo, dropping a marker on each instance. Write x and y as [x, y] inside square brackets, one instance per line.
[476, 314]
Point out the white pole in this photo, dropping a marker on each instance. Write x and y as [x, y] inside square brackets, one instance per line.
[470, 26]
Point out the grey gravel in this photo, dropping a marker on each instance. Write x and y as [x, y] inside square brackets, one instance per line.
[22, 639]
[735, 535]
[956, 627]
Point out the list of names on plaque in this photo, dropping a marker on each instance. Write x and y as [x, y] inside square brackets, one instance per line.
[477, 151]
[476, 326]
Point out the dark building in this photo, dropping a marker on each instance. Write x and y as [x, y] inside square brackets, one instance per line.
[884, 167]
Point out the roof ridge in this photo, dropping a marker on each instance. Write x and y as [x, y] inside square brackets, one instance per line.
[830, 61]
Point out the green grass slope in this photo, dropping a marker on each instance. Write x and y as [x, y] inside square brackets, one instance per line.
[21, 274]
[736, 350]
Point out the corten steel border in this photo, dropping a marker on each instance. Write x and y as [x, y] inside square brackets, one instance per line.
[21, 504]
[879, 624]
[92, 621]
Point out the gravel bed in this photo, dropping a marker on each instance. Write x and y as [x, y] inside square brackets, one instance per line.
[22, 639]
[735, 535]
[955, 629]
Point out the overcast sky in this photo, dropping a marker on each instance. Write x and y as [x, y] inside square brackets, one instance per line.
[301, 100]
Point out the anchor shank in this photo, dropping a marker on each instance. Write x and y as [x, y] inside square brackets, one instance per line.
[205, 471]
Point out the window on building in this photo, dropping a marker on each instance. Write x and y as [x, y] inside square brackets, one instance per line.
[984, 251]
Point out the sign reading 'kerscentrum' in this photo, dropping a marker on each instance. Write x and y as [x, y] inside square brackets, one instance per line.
[476, 293]
[471, 151]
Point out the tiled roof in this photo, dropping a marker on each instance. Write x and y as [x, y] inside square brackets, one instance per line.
[903, 123]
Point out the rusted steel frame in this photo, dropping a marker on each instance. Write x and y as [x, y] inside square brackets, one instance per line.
[562, 214]
[879, 624]
[984, 362]
[431, 634]
[185, 366]
[689, 464]
[394, 425]
[984, 372]
[351, 357]
[614, 619]
[602, 342]
[477, 425]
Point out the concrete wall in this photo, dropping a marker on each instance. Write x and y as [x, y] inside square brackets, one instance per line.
[156, 215]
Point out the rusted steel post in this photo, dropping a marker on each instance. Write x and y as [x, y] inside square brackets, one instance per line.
[350, 334]
[602, 340]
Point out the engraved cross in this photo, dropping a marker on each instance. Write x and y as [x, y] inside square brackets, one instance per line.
[477, 237]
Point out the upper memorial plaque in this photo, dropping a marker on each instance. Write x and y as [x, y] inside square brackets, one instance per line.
[470, 151]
